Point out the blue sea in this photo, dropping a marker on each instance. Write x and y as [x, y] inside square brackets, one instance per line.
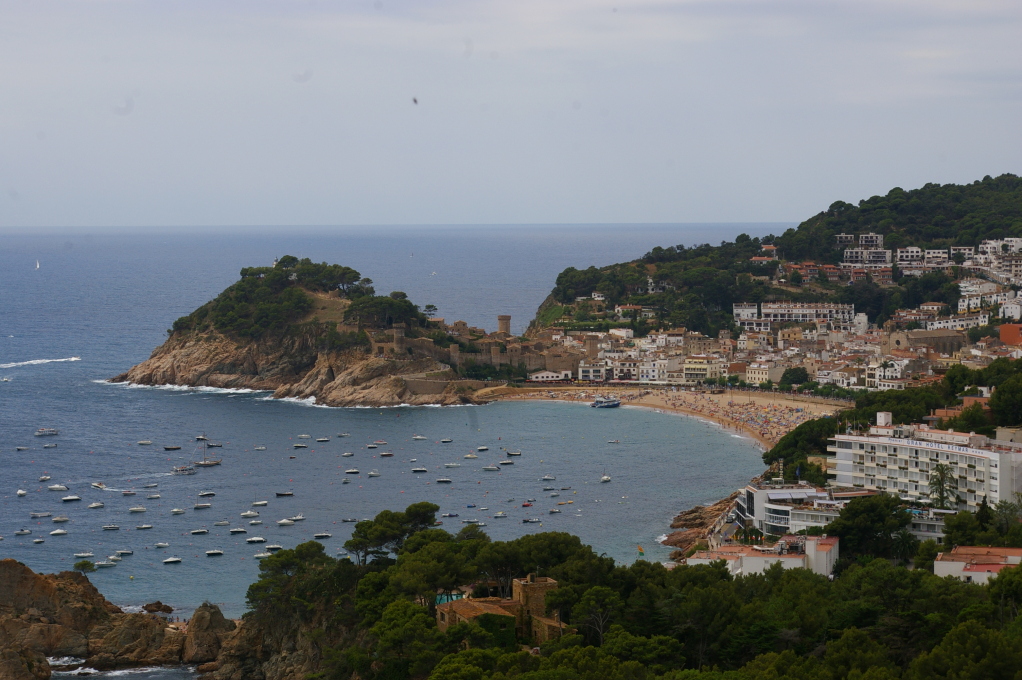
[99, 303]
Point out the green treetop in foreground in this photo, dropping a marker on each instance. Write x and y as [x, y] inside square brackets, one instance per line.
[640, 622]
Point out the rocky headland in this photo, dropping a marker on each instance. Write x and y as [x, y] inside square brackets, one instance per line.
[293, 366]
[63, 615]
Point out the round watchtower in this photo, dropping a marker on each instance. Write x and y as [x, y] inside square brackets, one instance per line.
[504, 323]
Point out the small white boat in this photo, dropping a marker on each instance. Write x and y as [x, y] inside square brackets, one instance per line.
[202, 506]
[446, 440]
[346, 480]
[419, 469]
[71, 498]
[343, 434]
[143, 527]
[505, 462]
[206, 494]
[98, 485]
[301, 446]
[255, 539]
[386, 454]
[443, 480]
[482, 448]
[347, 454]
[262, 555]
[49, 446]
[604, 479]
[491, 468]
[84, 555]
[128, 492]
[500, 514]
[22, 532]
[418, 438]
[322, 535]
[44, 478]
[373, 473]
[322, 439]
[258, 504]
[95, 506]
[471, 456]
[177, 511]
[114, 558]
[530, 520]
[22, 492]
[172, 560]
[351, 471]
[151, 485]
[250, 513]
[152, 497]
[285, 523]
[297, 518]
[380, 441]
[259, 448]
[37, 515]
[222, 523]
[37, 540]
[145, 442]
[238, 530]
[58, 532]
[111, 527]
[547, 478]
[514, 453]
[255, 522]
[162, 545]
[198, 532]
[124, 552]
[215, 552]
[57, 487]
[554, 511]
[105, 564]
[60, 519]
[273, 547]
[305, 436]
[372, 446]
[137, 508]
[284, 494]
[452, 465]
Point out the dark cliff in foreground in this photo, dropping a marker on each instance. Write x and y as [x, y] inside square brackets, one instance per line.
[57, 615]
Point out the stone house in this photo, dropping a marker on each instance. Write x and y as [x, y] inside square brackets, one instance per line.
[523, 617]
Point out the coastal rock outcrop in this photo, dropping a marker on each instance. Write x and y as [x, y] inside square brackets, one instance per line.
[63, 614]
[292, 367]
[693, 524]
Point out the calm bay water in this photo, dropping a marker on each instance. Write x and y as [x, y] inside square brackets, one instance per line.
[108, 300]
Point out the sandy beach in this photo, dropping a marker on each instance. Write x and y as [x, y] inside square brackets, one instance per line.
[766, 417]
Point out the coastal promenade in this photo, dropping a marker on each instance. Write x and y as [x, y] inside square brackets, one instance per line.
[764, 416]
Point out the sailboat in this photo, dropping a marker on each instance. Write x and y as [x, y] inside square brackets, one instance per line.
[206, 461]
[37, 264]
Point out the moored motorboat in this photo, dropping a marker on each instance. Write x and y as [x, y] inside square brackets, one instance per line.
[482, 448]
[255, 539]
[505, 462]
[514, 453]
[22, 532]
[547, 478]
[95, 506]
[105, 564]
[44, 478]
[128, 492]
[258, 504]
[443, 480]
[419, 469]
[162, 545]
[202, 506]
[172, 560]
[491, 468]
[351, 471]
[58, 532]
[285, 523]
[84, 555]
[57, 487]
[215, 552]
[301, 446]
[143, 527]
[273, 547]
[60, 519]
[285, 493]
[372, 446]
[471, 456]
[198, 532]
[110, 527]
[22, 492]
[36, 515]
[373, 473]
[206, 494]
[446, 440]
[137, 508]
[47, 432]
[386, 454]
[71, 498]
[261, 555]
[258, 448]
[322, 439]
[321, 535]
[177, 511]
[171, 448]
[305, 436]
[98, 485]
[250, 513]
[222, 523]
[238, 530]
[605, 478]
[452, 465]
[145, 442]
[418, 438]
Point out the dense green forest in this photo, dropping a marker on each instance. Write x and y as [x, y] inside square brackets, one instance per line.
[271, 300]
[705, 280]
[373, 617]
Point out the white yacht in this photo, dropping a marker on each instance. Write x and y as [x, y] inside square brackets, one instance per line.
[111, 527]
[261, 555]
[145, 442]
[347, 454]
[285, 523]
[238, 530]
[137, 508]
[215, 552]
[373, 473]
[124, 552]
[305, 436]
[321, 535]
[273, 547]
[482, 448]
[547, 478]
[351, 471]
[177, 511]
[258, 504]
[58, 532]
[37, 515]
[446, 440]
[98, 485]
[259, 448]
[22, 492]
[57, 487]
[500, 514]
[95, 506]
[202, 506]
[22, 532]
[44, 478]
[198, 532]
[322, 439]
[514, 453]
[419, 469]
[152, 497]
[471, 456]
[172, 560]
[222, 523]
[452, 465]
[206, 494]
[71, 498]
[250, 513]
[254, 522]
[491, 467]
[418, 438]
[387, 454]
[143, 527]
[372, 446]
[161, 544]
[605, 478]
[104, 564]
[84, 555]
[60, 519]
[444, 480]
[255, 539]
[505, 462]
[37, 540]
[297, 518]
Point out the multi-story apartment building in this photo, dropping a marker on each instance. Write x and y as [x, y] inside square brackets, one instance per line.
[798, 312]
[959, 322]
[910, 255]
[858, 257]
[702, 367]
[871, 240]
[900, 459]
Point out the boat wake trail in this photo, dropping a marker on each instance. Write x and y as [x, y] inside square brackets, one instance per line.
[33, 362]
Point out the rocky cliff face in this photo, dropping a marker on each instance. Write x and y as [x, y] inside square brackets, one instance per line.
[291, 367]
[63, 614]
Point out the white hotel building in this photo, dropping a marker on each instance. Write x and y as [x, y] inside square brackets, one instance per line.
[899, 459]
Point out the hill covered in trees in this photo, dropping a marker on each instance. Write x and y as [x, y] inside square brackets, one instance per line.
[695, 286]
[374, 617]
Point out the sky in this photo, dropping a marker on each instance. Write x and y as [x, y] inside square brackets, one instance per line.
[155, 113]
